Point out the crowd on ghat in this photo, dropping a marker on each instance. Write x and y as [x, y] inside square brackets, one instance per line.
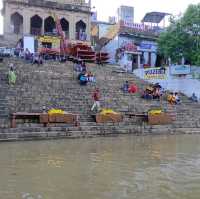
[34, 58]
[37, 58]
[84, 76]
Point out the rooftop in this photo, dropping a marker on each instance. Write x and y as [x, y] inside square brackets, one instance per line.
[154, 17]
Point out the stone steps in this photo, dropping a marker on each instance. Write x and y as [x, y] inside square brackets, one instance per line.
[55, 86]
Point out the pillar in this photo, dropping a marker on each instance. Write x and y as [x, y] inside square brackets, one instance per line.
[43, 18]
[26, 23]
[7, 21]
[139, 62]
[88, 28]
[72, 27]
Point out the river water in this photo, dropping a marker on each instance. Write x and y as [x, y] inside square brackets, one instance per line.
[151, 167]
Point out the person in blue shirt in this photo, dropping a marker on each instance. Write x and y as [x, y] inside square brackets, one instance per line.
[83, 78]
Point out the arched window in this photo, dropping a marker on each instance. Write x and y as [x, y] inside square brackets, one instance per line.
[49, 25]
[17, 23]
[36, 25]
[65, 27]
[81, 30]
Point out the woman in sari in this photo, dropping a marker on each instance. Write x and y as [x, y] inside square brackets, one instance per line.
[11, 76]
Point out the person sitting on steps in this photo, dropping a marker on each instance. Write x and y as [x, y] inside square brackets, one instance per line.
[96, 97]
[91, 77]
[125, 87]
[83, 79]
[37, 59]
[193, 98]
[177, 98]
[83, 67]
[133, 88]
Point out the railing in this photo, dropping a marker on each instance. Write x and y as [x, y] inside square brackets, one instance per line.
[132, 28]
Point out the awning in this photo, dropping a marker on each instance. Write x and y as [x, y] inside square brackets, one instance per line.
[154, 17]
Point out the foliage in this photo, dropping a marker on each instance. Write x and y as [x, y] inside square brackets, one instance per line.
[182, 37]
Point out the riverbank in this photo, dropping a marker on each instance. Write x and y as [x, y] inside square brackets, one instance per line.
[122, 167]
[57, 133]
[55, 85]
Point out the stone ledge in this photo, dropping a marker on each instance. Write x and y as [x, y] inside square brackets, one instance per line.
[25, 136]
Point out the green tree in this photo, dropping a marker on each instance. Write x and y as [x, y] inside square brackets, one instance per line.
[182, 37]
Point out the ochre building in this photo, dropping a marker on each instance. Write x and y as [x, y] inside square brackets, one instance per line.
[37, 17]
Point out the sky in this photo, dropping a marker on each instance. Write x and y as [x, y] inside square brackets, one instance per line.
[106, 8]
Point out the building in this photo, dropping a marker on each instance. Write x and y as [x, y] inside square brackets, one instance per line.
[37, 17]
[126, 13]
[112, 19]
[94, 16]
[138, 38]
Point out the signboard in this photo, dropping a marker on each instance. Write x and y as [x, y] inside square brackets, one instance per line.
[29, 43]
[49, 39]
[155, 73]
[103, 29]
[145, 46]
[180, 70]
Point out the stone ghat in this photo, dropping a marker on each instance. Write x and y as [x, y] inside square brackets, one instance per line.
[54, 85]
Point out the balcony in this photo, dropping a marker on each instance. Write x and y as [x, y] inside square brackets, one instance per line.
[140, 29]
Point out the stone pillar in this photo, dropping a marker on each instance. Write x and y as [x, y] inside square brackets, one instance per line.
[72, 27]
[139, 62]
[26, 23]
[7, 21]
[88, 28]
[43, 18]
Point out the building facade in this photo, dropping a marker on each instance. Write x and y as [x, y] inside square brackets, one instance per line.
[37, 17]
[130, 37]
[126, 13]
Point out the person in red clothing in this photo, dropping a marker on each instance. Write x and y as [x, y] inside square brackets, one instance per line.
[133, 88]
[96, 98]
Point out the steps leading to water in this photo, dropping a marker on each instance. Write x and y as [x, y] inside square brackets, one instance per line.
[54, 85]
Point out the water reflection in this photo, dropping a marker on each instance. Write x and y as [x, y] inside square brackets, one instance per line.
[159, 167]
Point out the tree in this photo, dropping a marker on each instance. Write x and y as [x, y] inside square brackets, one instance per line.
[182, 37]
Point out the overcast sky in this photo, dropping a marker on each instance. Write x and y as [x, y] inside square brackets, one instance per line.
[106, 8]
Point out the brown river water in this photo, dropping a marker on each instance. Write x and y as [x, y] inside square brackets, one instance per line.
[129, 167]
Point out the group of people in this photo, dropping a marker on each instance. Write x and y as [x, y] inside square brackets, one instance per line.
[34, 58]
[80, 66]
[84, 76]
[129, 88]
[173, 98]
[152, 91]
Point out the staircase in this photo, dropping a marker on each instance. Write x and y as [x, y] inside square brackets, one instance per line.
[55, 86]
[4, 90]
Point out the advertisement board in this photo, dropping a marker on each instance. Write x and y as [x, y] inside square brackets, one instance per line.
[29, 43]
[180, 69]
[155, 73]
[104, 29]
[49, 39]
